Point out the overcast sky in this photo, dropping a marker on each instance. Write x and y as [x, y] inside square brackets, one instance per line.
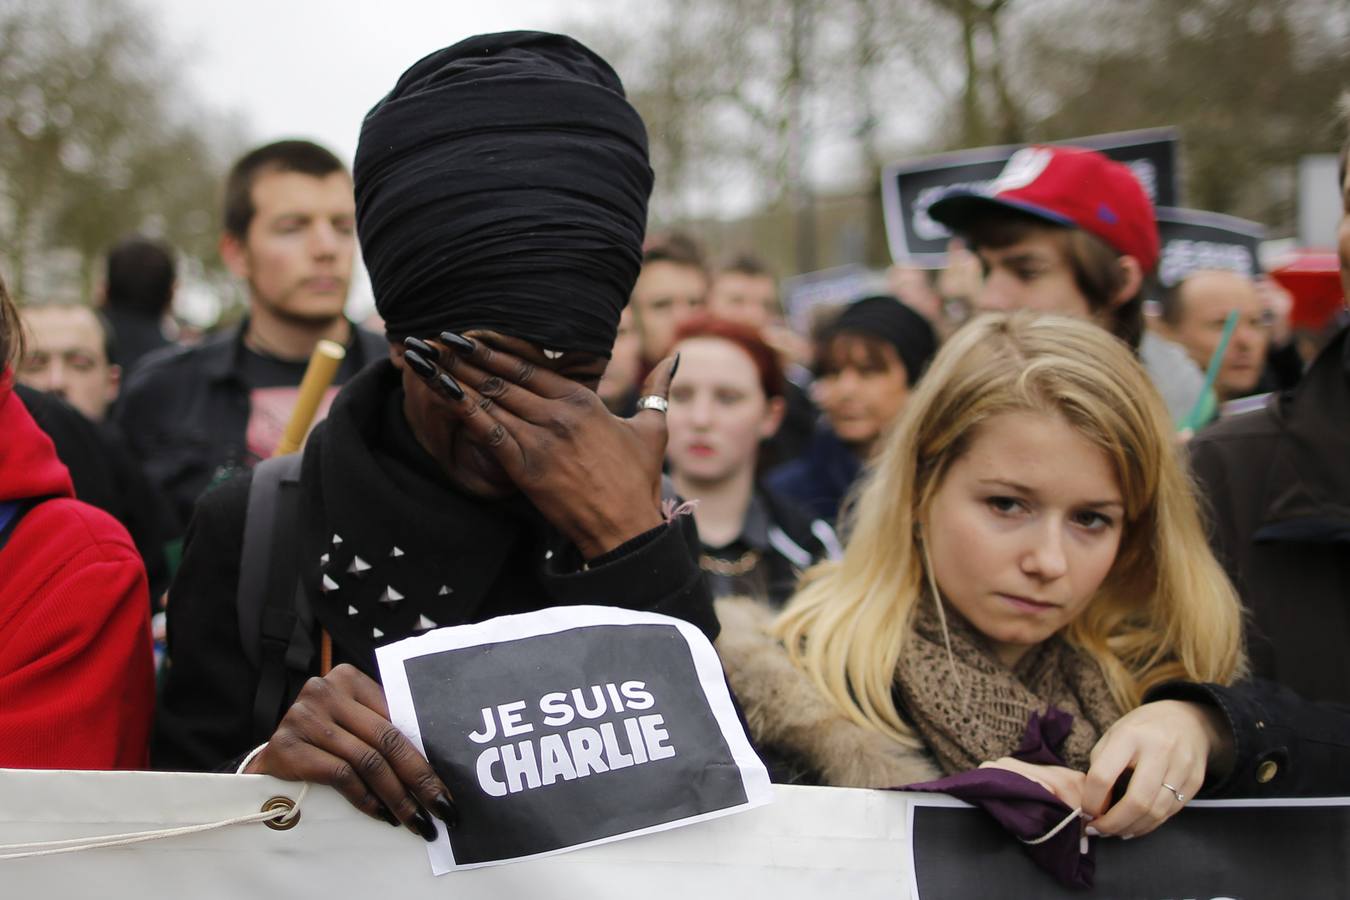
[312, 68]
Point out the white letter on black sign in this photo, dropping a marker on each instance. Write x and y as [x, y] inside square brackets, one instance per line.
[554, 760]
[586, 751]
[489, 784]
[635, 740]
[518, 760]
[638, 698]
[583, 710]
[510, 713]
[555, 709]
[617, 758]
[654, 734]
[489, 728]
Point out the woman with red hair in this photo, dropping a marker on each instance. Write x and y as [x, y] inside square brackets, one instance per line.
[725, 401]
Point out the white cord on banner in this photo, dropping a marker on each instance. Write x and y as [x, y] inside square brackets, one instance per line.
[99, 842]
[1054, 831]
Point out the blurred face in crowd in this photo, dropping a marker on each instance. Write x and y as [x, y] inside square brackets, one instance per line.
[718, 412]
[1033, 273]
[67, 356]
[1205, 300]
[1023, 529]
[667, 294]
[741, 297]
[297, 254]
[861, 387]
[621, 373]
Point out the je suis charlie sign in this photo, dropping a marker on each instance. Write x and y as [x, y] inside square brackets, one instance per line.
[570, 727]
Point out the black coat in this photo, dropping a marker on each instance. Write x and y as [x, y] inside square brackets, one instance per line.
[366, 479]
[1277, 483]
[185, 412]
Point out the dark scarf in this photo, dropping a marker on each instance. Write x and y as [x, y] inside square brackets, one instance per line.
[388, 547]
[980, 711]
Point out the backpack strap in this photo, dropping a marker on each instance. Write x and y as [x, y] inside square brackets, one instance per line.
[275, 622]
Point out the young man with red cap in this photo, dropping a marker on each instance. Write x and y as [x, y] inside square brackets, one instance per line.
[1066, 230]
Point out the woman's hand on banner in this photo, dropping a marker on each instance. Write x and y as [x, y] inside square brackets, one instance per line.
[594, 476]
[1063, 782]
[1165, 748]
[338, 733]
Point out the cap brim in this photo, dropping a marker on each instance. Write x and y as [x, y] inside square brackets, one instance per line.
[958, 208]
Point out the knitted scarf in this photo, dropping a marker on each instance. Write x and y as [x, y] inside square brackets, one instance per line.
[970, 708]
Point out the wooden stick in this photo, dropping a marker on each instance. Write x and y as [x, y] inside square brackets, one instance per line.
[319, 374]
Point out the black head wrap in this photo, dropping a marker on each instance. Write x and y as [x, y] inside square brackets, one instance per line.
[503, 184]
[885, 317]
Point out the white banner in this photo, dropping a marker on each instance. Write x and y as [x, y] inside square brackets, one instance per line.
[810, 843]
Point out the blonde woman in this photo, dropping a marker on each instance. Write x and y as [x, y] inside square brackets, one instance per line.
[1027, 539]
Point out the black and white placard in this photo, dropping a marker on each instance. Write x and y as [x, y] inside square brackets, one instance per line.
[910, 187]
[1213, 849]
[1195, 240]
[569, 727]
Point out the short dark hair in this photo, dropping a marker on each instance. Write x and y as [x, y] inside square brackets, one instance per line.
[11, 330]
[304, 157]
[675, 247]
[1094, 264]
[140, 275]
[746, 264]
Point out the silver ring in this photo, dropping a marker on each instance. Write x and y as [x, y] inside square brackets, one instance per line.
[1181, 798]
[652, 401]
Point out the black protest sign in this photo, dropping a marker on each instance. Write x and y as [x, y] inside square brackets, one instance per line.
[1230, 849]
[1193, 240]
[909, 188]
[569, 727]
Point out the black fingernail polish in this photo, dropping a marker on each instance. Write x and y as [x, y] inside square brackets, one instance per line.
[445, 809]
[422, 824]
[421, 346]
[388, 816]
[676, 367]
[450, 386]
[418, 363]
[459, 342]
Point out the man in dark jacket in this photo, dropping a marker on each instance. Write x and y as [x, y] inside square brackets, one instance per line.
[467, 476]
[1277, 481]
[197, 415]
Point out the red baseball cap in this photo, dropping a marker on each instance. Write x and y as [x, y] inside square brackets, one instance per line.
[1067, 186]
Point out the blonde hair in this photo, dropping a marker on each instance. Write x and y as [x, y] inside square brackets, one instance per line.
[1165, 609]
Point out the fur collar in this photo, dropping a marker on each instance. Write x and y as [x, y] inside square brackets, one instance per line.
[784, 709]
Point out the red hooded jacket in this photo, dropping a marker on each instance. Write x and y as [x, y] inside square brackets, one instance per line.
[76, 669]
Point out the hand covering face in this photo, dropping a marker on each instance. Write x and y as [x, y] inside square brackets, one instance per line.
[502, 184]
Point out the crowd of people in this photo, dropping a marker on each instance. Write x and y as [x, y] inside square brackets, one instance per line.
[909, 532]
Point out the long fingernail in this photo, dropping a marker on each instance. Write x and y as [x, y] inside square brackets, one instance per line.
[445, 809]
[1127, 837]
[419, 365]
[450, 386]
[422, 824]
[1092, 832]
[676, 367]
[388, 816]
[421, 346]
[459, 342]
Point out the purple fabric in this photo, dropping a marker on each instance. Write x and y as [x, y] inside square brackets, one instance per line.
[1024, 808]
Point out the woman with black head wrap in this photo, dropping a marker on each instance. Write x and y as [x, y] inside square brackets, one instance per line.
[501, 193]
